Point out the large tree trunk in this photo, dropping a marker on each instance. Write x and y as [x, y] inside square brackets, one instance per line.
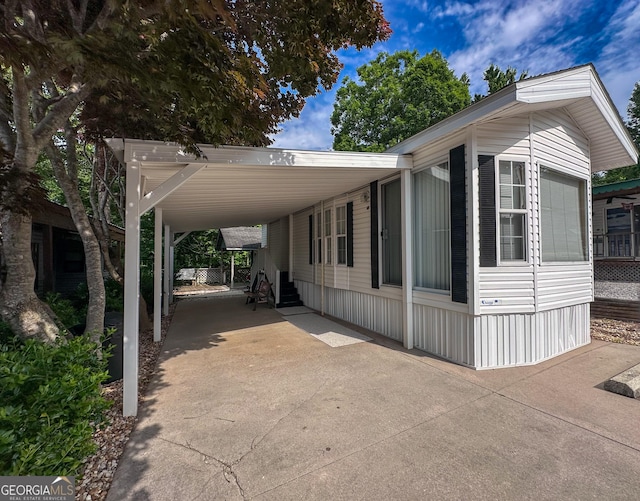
[93, 259]
[19, 306]
[102, 177]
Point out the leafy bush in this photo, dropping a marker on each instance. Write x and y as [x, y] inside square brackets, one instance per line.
[49, 398]
[64, 309]
[6, 334]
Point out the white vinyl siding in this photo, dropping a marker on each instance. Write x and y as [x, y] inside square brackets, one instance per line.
[527, 339]
[302, 269]
[375, 312]
[278, 243]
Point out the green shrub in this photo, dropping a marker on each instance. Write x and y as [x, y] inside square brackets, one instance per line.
[6, 334]
[49, 397]
[64, 309]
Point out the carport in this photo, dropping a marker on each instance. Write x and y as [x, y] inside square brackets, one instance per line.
[221, 187]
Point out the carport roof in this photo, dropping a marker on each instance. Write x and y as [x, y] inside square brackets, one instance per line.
[239, 186]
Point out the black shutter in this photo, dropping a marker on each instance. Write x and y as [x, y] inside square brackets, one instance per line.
[487, 195]
[373, 207]
[310, 238]
[350, 234]
[458, 200]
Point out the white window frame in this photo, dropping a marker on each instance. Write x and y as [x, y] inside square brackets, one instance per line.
[327, 235]
[436, 163]
[317, 239]
[341, 207]
[587, 184]
[525, 211]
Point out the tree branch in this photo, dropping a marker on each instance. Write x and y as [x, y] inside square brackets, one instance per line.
[21, 120]
[59, 113]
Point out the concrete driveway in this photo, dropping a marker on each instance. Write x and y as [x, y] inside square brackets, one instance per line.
[246, 405]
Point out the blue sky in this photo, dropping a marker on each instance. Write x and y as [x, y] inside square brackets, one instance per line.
[539, 36]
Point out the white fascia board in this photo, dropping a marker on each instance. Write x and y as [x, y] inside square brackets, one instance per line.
[611, 115]
[157, 152]
[475, 113]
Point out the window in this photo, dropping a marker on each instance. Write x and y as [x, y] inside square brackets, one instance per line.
[512, 210]
[432, 229]
[563, 214]
[391, 234]
[341, 234]
[327, 235]
[319, 238]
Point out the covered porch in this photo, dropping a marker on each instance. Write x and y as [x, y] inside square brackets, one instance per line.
[219, 188]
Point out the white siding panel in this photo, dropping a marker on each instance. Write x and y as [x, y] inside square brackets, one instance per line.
[445, 333]
[599, 215]
[302, 269]
[278, 243]
[505, 137]
[434, 153]
[558, 142]
[526, 339]
[360, 274]
[379, 314]
[507, 290]
[564, 285]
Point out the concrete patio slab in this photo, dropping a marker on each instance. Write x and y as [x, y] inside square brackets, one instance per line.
[294, 310]
[247, 405]
[326, 330]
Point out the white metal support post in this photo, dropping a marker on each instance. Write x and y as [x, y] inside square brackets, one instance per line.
[157, 274]
[167, 251]
[131, 291]
[406, 215]
[171, 266]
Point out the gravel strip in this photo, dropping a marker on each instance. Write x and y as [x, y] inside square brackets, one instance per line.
[629, 291]
[112, 438]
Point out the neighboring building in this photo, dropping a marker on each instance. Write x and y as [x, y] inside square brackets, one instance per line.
[471, 240]
[57, 251]
[616, 231]
[240, 238]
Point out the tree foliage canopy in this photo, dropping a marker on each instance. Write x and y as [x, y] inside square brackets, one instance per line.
[633, 126]
[215, 71]
[396, 96]
[222, 71]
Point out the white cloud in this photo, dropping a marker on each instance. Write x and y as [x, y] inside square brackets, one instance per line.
[520, 34]
[618, 63]
[312, 130]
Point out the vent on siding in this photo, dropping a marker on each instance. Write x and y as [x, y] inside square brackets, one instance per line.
[487, 195]
[458, 200]
[373, 202]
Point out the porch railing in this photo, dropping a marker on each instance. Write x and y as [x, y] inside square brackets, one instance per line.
[617, 245]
